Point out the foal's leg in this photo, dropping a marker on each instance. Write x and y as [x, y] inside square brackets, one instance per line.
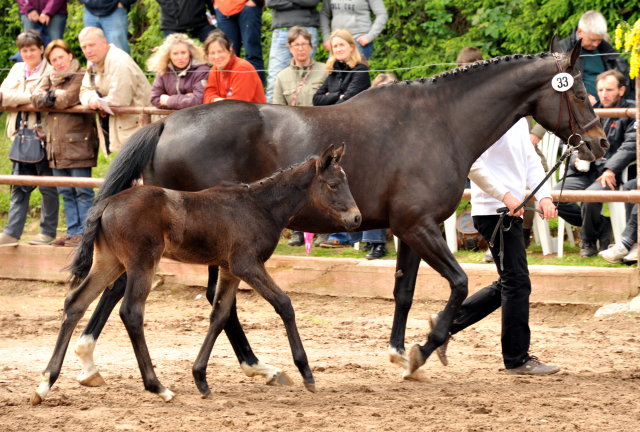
[90, 376]
[249, 363]
[223, 301]
[132, 314]
[406, 272]
[257, 277]
[427, 241]
[106, 268]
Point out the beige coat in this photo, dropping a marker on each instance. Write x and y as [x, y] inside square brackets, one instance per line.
[121, 83]
[17, 91]
[289, 79]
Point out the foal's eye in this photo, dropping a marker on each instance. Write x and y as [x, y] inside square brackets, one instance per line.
[579, 97]
[332, 186]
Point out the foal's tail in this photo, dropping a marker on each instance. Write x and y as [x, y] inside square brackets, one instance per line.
[83, 259]
[131, 161]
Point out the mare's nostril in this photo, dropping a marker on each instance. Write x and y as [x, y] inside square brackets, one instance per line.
[604, 143]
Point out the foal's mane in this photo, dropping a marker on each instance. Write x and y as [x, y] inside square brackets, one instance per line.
[264, 181]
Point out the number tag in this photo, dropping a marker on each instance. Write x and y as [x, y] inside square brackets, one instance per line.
[562, 82]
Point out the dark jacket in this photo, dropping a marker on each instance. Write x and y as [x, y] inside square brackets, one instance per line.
[193, 81]
[48, 7]
[103, 8]
[611, 61]
[290, 13]
[72, 139]
[182, 15]
[621, 133]
[342, 82]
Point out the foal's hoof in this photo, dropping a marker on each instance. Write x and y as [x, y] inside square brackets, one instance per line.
[310, 386]
[36, 399]
[417, 376]
[166, 395]
[415, 359]
[94, 380]
[280, 379]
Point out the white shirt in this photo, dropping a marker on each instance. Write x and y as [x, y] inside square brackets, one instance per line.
[507, 166]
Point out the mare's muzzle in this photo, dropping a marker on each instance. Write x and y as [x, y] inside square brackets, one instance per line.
[352, 219]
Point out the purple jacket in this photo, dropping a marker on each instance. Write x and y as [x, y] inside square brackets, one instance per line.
[49, 7]
[177, 87]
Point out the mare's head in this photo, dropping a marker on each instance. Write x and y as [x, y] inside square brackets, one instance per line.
[557, 112]
[330, 192]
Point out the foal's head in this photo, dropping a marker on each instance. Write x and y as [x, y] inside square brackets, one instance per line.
[330, 192]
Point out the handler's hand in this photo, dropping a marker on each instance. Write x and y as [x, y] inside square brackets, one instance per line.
[608, 179]
[548, 209]
[535, 139]
[512, 202]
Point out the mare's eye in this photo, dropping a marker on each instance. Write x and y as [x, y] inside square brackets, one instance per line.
[332, 186]
[579, 97]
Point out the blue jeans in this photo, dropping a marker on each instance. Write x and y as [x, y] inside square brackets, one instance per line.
[366, 50]
[114, 26]
[373, 236]
[244, 29]
[279, 55]
[55, 29]
[199, 32]
[77, 201]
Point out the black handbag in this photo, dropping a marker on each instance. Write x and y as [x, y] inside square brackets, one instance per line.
[28, 145]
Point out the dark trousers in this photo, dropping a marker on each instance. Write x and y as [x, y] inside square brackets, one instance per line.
[588, 216]
[198, 32]
[244, 29]
[631, 230]
[511, 292]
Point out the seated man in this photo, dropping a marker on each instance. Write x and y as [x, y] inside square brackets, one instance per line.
[627, 249]
[112, 75]
[604, 173]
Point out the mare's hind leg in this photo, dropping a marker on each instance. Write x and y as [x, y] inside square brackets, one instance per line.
[406, 272]
[138, 288]
[90, 376]
[223, 301]
[249, 363]
[106, 268]
[257, 277]
[427, 241]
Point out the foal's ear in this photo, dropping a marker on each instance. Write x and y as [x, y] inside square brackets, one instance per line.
[555, 44]
[339, 153]
[575, 53]
[324, 161]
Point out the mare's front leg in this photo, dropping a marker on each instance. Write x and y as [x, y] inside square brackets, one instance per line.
[249, 363]
[255, 274]
[427, 241]
[407, 266]
[223, 301]
[90, 376]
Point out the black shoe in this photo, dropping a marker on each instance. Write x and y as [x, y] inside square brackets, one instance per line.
[367, 247]
[297, 239]
[587, 249]
[378, 251]
[526, 233]
[605, 235]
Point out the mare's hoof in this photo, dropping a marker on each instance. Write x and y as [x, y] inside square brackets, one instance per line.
[280, 379]
[36, 399]
[415, 359]
[310, 386]
[417, 376]
[206, 396]
[94, 380]
[166, 395]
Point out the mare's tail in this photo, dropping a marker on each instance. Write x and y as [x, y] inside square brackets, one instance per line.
[83, 259]
[131, 161]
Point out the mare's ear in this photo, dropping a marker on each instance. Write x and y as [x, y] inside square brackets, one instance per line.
[325, 160]
[555, 44]
[339, 153]
[575, 53]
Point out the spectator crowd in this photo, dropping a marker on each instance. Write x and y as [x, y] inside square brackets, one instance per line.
[199, 62]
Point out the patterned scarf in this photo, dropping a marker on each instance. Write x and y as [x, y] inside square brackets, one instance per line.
[58, 78]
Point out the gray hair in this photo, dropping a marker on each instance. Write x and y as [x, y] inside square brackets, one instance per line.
[593, 22]
[91, 30]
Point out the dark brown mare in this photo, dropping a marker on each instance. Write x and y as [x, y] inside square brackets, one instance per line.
[411, 145]
[234, 227]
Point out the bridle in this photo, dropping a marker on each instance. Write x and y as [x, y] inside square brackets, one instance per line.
[565, 156]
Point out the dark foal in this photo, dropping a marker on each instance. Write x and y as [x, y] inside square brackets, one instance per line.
[234, 227]
[411, 145]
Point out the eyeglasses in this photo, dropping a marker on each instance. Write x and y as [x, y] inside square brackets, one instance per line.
[302, 45]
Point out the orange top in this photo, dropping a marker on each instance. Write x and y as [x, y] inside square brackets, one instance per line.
[245, 84]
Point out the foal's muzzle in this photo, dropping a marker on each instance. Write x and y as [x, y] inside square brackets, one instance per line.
[352, 219]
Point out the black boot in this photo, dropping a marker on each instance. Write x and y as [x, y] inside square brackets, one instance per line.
[378, 251]
[297, 239]
[526, 233]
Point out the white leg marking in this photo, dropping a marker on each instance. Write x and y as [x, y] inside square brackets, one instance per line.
[399, 358]
[44, 386]
[261, 369]
[166, 395]
[84, 350]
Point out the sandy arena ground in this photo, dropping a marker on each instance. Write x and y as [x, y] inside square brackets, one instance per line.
[346, 342]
